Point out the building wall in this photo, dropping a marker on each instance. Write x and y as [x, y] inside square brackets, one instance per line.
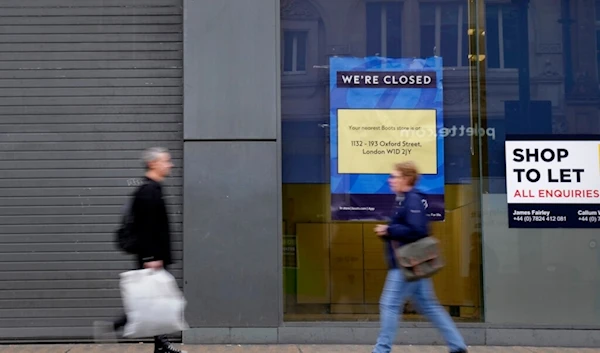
[232, 171]
[83, 89]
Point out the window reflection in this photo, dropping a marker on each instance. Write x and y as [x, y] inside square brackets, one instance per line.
[294, 54]
[552, 89]
[336, 270]
[501, 36]
[384, 29]
[538, 70]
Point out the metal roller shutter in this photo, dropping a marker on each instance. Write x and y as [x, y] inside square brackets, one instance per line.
[85, 86]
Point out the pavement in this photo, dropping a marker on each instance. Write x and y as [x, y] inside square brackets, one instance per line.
[148, 348]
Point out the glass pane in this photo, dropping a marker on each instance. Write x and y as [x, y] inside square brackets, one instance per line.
[288, 51]
[492, 36]
[394, 29]
[427, 30]
[300, 51]
[598, 50]
[333, 192]
[373, 21]
[510, 35]
[427, 13]
[449, 34]
[540, 253]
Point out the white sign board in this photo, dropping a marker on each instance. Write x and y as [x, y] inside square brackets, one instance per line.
[553, 183]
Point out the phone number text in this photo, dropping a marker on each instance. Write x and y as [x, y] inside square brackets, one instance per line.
[540, 218]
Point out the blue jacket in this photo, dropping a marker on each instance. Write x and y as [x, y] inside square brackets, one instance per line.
[408, 224]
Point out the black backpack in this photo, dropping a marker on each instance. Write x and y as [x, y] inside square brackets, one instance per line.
[125, 237]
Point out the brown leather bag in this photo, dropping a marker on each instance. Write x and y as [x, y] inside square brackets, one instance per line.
[421, 259]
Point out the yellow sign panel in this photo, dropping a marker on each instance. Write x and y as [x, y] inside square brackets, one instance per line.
[371, 141]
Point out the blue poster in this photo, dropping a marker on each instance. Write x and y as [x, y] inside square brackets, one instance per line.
[384, 111]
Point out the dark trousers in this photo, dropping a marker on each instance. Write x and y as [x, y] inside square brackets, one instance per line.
[159, 341]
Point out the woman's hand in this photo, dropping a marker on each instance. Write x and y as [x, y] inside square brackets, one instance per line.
[381, 229]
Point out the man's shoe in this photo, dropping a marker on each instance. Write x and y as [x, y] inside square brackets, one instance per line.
[167, 348]
[461, 351]
[104, 332]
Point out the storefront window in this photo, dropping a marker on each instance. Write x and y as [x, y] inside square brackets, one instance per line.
[334, 265]
[540, 237]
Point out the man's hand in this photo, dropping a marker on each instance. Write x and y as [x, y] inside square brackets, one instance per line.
[381, 229]
[154, 265]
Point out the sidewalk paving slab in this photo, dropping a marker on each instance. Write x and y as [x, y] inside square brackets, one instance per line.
[302, 348]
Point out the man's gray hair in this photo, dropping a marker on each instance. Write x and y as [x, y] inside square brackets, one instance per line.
[152, 154]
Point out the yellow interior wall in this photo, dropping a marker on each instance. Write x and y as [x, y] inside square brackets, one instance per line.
[342, 263]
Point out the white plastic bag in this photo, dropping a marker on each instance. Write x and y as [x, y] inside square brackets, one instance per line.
[153, 303]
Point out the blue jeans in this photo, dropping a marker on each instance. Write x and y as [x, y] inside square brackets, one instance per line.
[395, 293]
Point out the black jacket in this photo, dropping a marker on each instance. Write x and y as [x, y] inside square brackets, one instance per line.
[408, 224]
[151, 223]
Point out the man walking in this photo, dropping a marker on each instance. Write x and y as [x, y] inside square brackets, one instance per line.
[151, 229]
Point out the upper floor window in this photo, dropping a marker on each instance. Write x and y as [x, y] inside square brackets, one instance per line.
[443, 31]
[384, 29]
[294, 51]
[501, 33]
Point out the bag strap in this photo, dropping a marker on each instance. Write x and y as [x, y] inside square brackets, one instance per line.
[132, 197]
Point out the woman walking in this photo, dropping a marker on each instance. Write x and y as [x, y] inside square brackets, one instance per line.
[408, 224]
